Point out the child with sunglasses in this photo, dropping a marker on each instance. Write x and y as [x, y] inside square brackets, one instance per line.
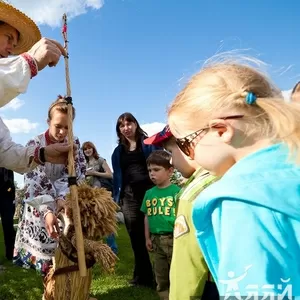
[233, 121]
[189, 276]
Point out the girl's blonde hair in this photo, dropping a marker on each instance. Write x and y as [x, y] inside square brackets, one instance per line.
[220, 90]
[61, 105]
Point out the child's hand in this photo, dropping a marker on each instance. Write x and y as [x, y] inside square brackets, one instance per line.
[149, 245]
[51, 225]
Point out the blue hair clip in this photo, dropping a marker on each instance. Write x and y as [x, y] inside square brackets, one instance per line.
[250, 98]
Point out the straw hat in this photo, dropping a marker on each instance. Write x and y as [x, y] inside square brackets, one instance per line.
[29, 32]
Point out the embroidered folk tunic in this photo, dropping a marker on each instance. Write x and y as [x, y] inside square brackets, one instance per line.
[45, 185]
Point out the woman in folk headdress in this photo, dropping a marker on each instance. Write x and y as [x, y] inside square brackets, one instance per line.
[46, 185]
[20, 36]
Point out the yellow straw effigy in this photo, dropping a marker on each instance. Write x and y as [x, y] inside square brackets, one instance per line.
[98, 220]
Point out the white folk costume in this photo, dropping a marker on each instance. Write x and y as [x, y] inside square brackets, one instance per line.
[44, 185]
[15, 74]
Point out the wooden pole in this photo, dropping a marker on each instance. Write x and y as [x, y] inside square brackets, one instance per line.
[71, 164]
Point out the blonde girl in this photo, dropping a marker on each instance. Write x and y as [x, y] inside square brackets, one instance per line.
[232, 120]
[46, 186]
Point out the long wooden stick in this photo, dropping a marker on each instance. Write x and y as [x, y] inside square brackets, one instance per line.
[71, 164]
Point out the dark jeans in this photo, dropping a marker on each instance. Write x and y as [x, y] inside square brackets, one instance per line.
[131, 202]
[111, 242]
[7, 211]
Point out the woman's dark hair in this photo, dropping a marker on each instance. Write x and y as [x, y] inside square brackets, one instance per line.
[139, 133]
[295, 92]
[296, 88]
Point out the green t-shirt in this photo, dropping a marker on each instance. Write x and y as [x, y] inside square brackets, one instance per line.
[189, 271]
[159, 206]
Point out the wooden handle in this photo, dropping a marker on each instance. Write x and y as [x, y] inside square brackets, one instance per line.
[71, 166]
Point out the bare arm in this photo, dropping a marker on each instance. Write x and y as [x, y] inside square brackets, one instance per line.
[107, 174]
[147, 234]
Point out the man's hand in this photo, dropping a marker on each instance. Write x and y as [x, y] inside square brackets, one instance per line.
[51, 225]
[58, 153]
[46, 52]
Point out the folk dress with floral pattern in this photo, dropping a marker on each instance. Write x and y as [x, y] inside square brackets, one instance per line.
[33, 247]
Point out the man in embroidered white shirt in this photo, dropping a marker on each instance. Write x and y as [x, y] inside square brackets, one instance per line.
[20, 36]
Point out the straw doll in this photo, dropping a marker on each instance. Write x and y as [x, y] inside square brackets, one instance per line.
[97, 210]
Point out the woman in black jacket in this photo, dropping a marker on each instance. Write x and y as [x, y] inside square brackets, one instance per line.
[131, 181]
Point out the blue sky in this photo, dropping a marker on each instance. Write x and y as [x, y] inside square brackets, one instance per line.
[135, 55]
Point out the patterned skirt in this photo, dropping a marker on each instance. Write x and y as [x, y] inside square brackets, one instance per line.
[33, 247]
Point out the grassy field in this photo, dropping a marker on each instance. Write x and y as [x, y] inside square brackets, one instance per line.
[20, 284]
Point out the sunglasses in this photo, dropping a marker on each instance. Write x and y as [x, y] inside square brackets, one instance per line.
[184, 144]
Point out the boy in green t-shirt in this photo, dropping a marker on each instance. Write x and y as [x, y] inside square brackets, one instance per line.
[189, 276]
[159, 208]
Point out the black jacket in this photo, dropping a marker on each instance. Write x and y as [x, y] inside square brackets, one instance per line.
[7, 185]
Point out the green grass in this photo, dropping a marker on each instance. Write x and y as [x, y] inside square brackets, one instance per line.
[20, 284]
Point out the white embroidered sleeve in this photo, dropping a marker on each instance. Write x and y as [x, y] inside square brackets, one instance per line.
[15, 75]
[61, 185]
[39, 191]
[13, 156]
